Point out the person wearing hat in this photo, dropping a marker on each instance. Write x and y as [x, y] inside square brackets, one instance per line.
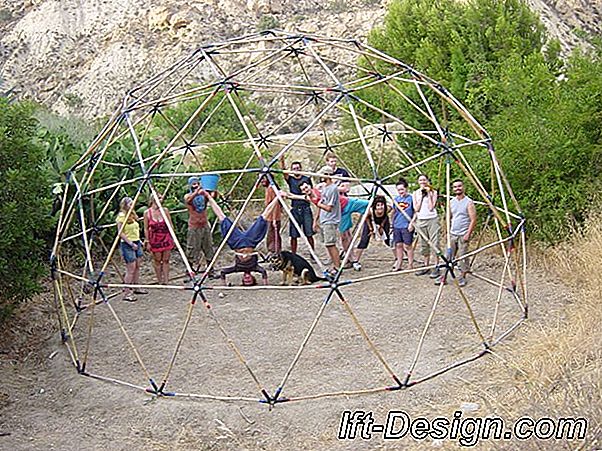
[198, 238]
[330, 215]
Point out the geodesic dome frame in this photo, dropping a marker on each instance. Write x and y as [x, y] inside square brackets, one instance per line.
[313, 72]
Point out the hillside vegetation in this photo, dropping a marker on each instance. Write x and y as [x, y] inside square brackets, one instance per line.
[543, 113]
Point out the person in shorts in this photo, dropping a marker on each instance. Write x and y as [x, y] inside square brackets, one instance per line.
[300, 207]
[403, 234]
[349, 205]
[130, 246]
[330, 216]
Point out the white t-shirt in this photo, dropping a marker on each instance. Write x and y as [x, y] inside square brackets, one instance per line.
[425, 212]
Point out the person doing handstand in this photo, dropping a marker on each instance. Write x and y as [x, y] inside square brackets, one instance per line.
[243, 243]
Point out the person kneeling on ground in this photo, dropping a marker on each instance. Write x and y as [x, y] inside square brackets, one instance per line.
[243, 243]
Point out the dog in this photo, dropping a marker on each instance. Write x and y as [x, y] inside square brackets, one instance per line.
[293, 265]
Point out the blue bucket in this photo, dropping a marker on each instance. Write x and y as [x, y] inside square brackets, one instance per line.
[209, 182]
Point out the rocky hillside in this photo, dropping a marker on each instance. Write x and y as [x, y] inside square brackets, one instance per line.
[80, 56]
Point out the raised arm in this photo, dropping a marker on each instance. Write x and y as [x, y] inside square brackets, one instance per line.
[216, 208]
[189, 196]
[283, 167]
[432, 195]
[417, 200]
[268, 210]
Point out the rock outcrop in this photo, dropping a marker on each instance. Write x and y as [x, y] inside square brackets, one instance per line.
[80, 56]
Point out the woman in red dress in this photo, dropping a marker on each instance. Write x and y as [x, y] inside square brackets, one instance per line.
[158, 238]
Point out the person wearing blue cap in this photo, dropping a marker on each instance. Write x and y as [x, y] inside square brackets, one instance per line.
[244, 242]
[198, 238]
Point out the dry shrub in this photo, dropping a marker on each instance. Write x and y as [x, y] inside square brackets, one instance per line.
[554, 366]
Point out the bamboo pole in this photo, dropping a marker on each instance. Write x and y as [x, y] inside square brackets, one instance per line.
[268, 57]
[423, 335]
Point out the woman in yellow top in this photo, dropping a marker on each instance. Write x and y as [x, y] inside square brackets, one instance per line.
[130, 246]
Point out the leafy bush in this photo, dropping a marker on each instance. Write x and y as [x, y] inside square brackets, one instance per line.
[267, 22]
[218, 126]
[543, 114]
[24, 206]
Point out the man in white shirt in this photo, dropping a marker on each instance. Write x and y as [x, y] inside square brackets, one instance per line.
[463, 223]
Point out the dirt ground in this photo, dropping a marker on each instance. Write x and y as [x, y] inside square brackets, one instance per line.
[45, 404]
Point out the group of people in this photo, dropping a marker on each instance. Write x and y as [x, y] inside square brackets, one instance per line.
[415, 215]
[159, 233]
[410, 216]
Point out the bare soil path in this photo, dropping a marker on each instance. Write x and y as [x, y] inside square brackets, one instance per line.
[45, 404]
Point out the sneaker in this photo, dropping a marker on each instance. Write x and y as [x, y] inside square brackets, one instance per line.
[140, 291]
[461, 281]
[130, 298]
[357, 266]
[440, 280]
[434, 273]
[348, 265]
[422, 272]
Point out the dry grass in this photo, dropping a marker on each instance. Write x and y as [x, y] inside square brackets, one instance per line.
[554, 366]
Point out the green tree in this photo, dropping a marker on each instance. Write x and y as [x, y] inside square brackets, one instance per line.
[549, 140]
[24, 206]
[543, 114]
[460, 44]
